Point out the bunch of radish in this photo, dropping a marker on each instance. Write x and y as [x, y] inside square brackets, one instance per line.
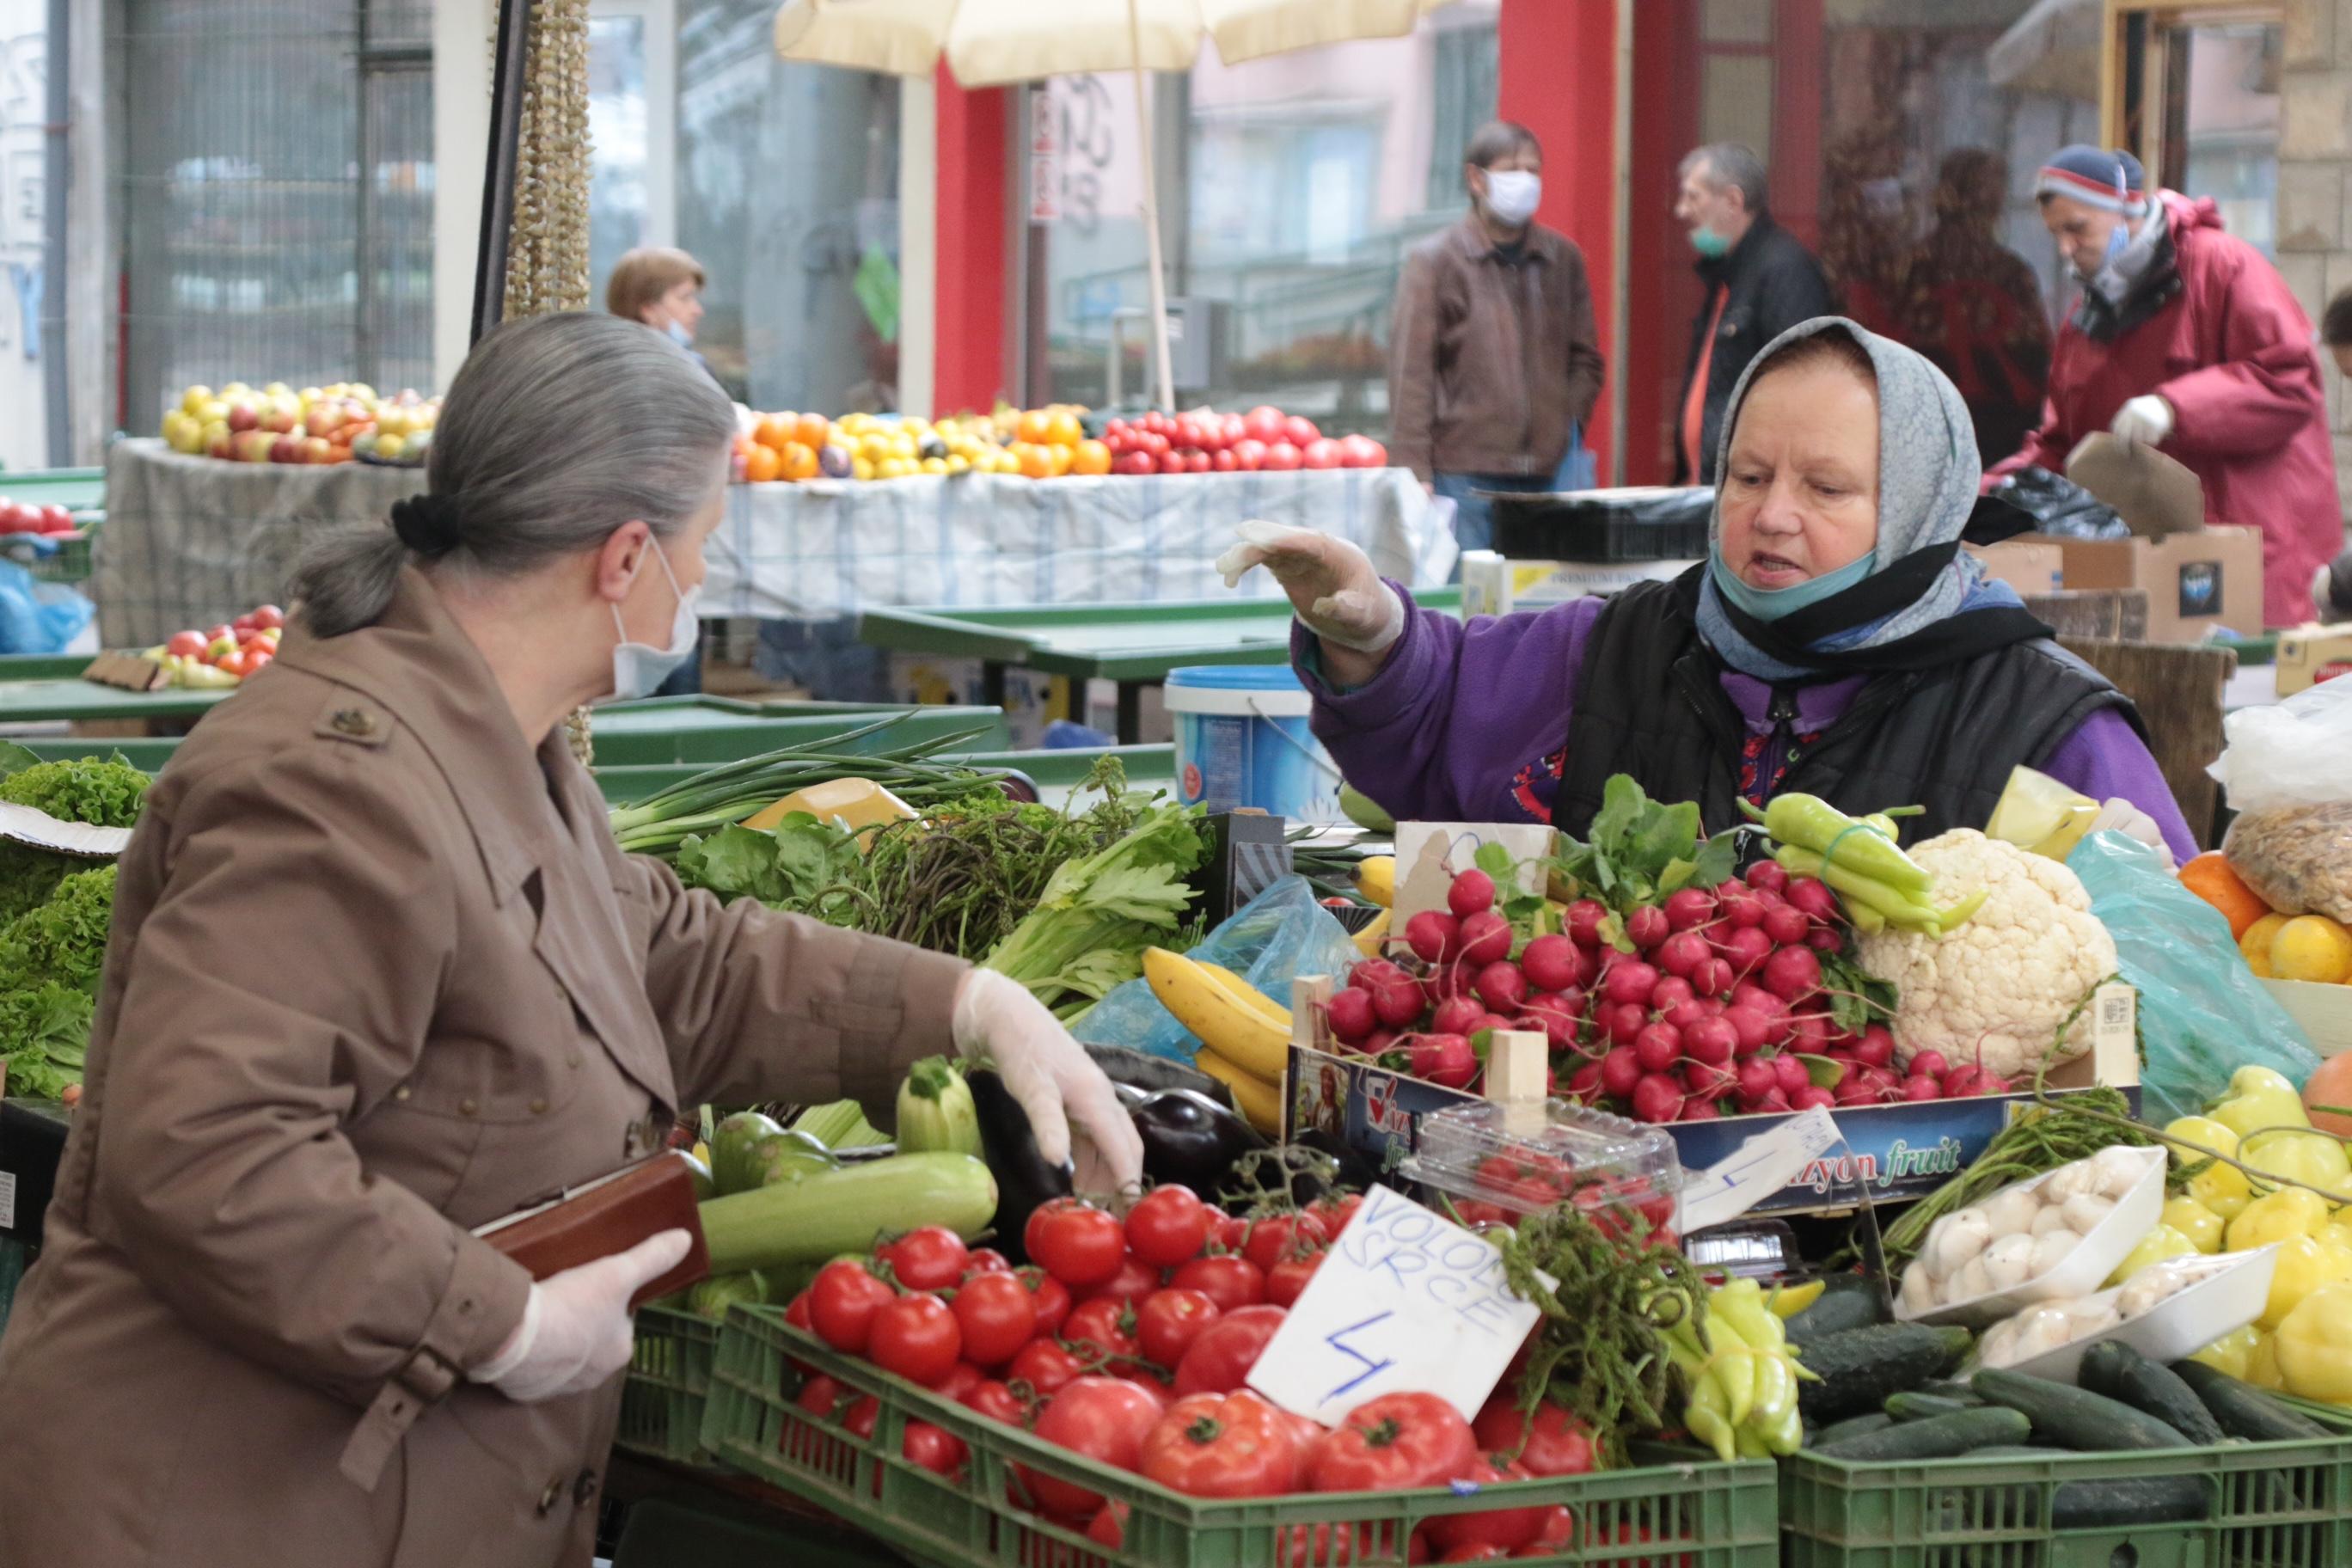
[1716, 1004]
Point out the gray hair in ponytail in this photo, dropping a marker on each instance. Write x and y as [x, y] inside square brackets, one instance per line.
[558, 431]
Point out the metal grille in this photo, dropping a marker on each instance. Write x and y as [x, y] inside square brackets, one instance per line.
[275, 178]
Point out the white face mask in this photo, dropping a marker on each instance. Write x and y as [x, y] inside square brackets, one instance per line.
[1513, 194]
[639, 668]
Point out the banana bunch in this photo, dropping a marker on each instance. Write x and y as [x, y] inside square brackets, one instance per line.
[1244, 1036]
[1741, 1373]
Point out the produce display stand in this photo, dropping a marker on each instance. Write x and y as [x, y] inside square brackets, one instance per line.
[41, 688]
[1133, 644]
[1700, 1512]
[82, 491]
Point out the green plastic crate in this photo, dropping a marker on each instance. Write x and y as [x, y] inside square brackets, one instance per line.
[1686, 1513]
[668, 1382]
[69, 563]
[2271, 1505]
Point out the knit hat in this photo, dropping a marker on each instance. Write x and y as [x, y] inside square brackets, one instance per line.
[2095, 177]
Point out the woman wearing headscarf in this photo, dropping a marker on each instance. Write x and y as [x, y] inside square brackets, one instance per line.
[1836, 640]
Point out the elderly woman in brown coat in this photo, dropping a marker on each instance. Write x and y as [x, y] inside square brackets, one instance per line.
[379, 975]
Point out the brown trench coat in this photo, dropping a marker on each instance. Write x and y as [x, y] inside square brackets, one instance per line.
[377, 976]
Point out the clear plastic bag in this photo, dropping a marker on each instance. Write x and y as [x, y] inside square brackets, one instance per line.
[2203, 1013]
[2288, 772]
[38, 616]
[1270, 940]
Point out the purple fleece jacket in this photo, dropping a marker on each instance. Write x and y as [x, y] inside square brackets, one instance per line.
[1464, 723]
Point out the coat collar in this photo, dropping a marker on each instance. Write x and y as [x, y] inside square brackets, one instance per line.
[1470, 239]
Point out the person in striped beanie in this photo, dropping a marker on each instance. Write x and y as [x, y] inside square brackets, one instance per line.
[2185, 337]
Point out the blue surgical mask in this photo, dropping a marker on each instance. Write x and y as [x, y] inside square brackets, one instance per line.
[639, 668]
[680, 335]
[1708, 243]
[1771, 604]
[2118, 238]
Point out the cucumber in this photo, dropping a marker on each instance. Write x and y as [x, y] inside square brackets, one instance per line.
[2119, 1371]
[2244, 1410]
[1945, 1388]
[2128, 1504]
[845, 1210]
[1852, 1427]
[1847, 1302]
[1922, 1406]
[2089, 1422]
[1938, 1438]
[1859, 1368]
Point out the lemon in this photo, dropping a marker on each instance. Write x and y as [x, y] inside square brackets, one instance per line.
[2313, 948]
[2255, 945]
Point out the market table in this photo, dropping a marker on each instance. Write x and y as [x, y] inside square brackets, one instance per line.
[1134, 645]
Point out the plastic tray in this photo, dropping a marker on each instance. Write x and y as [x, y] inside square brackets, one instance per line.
[667, 1385]
[2271, 1505]
[2087, 1267]
[1702, 1513]
[1474, 1151]
[1658, 523]
[2229, 1297]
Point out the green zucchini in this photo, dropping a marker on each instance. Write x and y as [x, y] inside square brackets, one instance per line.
[1916, 1405]
[936, 1111]
[1857, 1369]
[2244, 1410]
[731, 1142]
[2119, 1371]
[846, 1210]
[1938, 1438]
[1847, 1302]
[2090, 1422]
[1852, 1427]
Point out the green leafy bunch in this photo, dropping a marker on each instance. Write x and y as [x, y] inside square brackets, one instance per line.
[1640, 850]
[102, 793]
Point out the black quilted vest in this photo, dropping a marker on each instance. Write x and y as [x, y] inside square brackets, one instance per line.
[1650, 702]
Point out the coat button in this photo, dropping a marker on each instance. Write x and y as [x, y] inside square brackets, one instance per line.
[467, 1107]
[584, 1488]
[539, 1107]
[402, 1092]
[548, 1498]
[352, 721]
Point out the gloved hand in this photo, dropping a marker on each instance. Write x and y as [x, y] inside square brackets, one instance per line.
[1056, 1083]
[2148, 420]
[575, 1334]
[1331, 584]
[2117, 815]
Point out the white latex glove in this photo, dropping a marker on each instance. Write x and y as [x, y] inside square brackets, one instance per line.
[1332, 586]
[1056, 1083]
[575, 1333]
[2148, 420]
[2120, 815]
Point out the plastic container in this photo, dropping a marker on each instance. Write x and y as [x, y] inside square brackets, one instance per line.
[2087, 1267]
[1648, 523]
[1242, 740]
[2228, 1294]
[1494, 1167]
[668, 1384]
[1701, 1513]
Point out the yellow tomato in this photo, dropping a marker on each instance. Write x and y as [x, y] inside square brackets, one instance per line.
[2192, 1219]
[2304, 1266]
[2288, 1213]
[2158, 1245]
[2233, 1353]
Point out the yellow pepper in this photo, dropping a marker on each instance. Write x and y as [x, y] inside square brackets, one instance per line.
[2315, 1346]
[2259, 1098]
[2158, 1245]
[2201, 1225]
[2304, 1266]
[2233, 1353]
[2223, 1188]
[2314, 1158]
[2338, 1233]
[2289, 1212]
[2262, 1364]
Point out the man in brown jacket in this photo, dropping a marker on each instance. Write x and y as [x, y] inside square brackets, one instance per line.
[1493, 360]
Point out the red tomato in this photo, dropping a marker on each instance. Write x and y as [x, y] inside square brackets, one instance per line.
[57, 520]
[1197, 461]
[1265, 423]
[1168, 1227]
[961, 1382]
[931, 1258]
[1223, 1446]
[1300, 430]
[258, 658]
[1391, 1443]
[1222, 460]
[1230, 1282]
[1052, 1300]
[1335, 1213]
[997, 1402]
[863, 1413]
[915, 1338]
[842, 1303]
[1249, 454]
[986, 1260]
[997, 1315]
[1477, 1551]
[1227, 1230]
[1504, 1527]
[1281, 456]
[1320, 1546]
[941, 1452]
[1284, 1237]
[233, 664]
[1559, 1535]
[269, 615]
[1319, 453]
[1076, 1242]
[1134, 462]
[1109, 1526]
[821, 1396]
[1170, 1320]
[1285, 1281]
[1172, 462]
[1102, 1331]
[1101, 1418]
[1554, 1443]
[1220, 1360]
[1045, 1366]
[796, 1313]
[1134, 1282]
[185, 644]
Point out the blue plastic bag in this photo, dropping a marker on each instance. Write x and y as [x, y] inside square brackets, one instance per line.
[1270, 940]
[38, 616]
[2203, 1013]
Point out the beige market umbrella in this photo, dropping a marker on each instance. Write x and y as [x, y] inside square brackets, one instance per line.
[994, 43]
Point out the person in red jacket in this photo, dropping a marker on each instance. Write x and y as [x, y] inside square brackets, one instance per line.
[2186, 339]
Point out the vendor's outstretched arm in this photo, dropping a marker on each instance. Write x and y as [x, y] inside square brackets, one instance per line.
[2105, 758]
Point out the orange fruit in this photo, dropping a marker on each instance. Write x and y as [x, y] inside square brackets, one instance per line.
[815, 431]
[1037, 458]
[762, 464]
[774, 429]
[799, 460]
[1059, 457]
[1093, 458]
[1061, 428]
[1035, 427]
[2208, 877]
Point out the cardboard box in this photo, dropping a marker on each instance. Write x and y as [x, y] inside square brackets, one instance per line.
[2324, 1011]
[2195, 582]
[2030, 568]
[2311, 655]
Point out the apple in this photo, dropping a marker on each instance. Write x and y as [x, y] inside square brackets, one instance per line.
[185, 644]
[219, 648]
[1281, 456]
[1265, 423]
[220, 443]
[269, 618]
[1249, 454]
[192, 402]
[244, 417]
[318, 449]
[322, 420]
[277, 389]
[286, 450]
[279, 418]
[253, 445]
[243, 624]
[1319, 453]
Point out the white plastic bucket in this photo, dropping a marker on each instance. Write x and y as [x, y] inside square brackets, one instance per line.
[1242, 740]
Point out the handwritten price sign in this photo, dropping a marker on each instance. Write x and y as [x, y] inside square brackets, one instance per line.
[1406, 1301]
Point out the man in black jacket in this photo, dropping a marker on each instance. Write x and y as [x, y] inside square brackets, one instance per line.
[1760, 281]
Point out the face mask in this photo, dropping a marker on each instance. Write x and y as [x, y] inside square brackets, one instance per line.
[1512, 194]
[1771, 604]
[680, 335]
[1708, 243]
[2117, 237]
[638, 669]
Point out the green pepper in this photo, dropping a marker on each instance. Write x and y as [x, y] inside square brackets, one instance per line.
[1860, 891]
[1811, 823]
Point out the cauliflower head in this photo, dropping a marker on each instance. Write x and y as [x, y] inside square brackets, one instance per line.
[1995, 990]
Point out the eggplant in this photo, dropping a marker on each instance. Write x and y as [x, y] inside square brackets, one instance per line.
[1025, 1182]
[1190, 1138]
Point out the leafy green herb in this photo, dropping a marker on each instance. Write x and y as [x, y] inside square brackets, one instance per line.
[63, 940]
[1097, 915]
[105, 793]
[43, 1037]
[1641, 850]
[793, 866]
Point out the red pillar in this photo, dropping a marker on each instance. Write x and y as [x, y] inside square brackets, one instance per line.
[1661, 293]
[975, 247]
[1559, 78]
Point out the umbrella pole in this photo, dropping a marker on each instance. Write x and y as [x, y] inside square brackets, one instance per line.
[1150, 214]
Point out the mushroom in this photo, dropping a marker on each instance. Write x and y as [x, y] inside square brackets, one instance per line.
[2011, 1211]
[1956, 1240]
[2086, 1210]
[2009, 1262]
[2050, 1248]
[2119, 1170]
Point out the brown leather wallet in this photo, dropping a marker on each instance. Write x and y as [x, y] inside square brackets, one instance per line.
[609, 1215]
